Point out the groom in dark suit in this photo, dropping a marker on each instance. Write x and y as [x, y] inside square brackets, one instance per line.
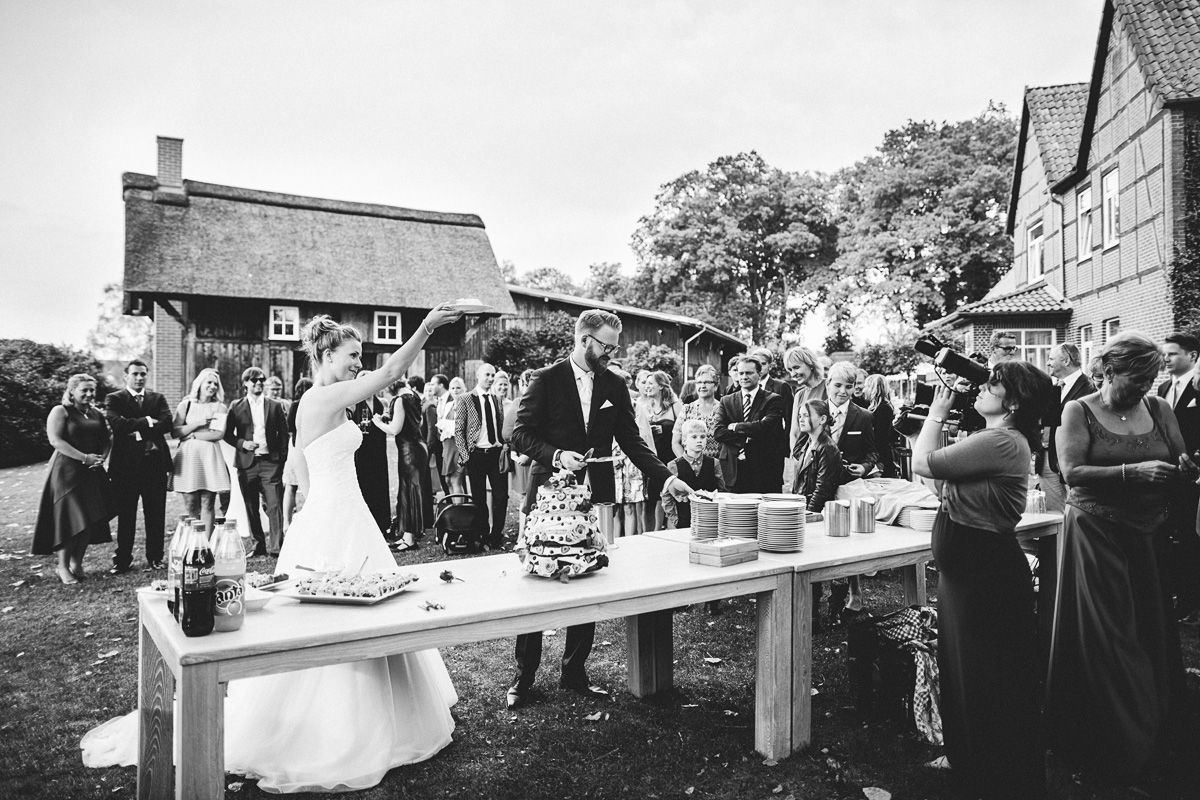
[572, 407]
[139, 465]
[257, 429]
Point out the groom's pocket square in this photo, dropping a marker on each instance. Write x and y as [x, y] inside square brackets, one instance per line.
[608, 404]
[1192, 404]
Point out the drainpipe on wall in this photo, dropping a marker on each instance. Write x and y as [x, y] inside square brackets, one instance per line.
[687, 342]
[1062, 244]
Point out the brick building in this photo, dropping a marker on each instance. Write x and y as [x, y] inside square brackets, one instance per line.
[229, 276]
[1105, 207]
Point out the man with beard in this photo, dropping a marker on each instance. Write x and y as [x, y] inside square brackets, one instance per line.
[570, 408]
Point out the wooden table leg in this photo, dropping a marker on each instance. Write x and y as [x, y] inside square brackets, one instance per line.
[651, 652]
[801, 690]
[774, 697]
[914, 584]
[156, 712]
[201, 771]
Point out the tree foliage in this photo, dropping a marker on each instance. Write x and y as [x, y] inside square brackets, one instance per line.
[923, 220]
[549, 279]
[889, 358]
[731, 244]
[643, 355]
[31, 383]
[608, 282]
[117, 336]
[518, 349]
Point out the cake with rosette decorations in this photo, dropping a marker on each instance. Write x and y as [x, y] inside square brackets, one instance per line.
[562, 536]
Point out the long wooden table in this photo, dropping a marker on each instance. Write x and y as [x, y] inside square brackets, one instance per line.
[646, 579]
[889, 547]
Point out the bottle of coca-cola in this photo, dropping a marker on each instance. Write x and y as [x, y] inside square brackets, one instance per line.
[175, 562]
[230, 569]
[199, 584]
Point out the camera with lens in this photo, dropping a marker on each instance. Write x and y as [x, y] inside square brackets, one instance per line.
[962, 413]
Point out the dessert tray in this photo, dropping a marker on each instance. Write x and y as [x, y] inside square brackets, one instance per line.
[349, 589]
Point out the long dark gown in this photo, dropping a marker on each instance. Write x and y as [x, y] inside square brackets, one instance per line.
[1116, 677]
[76, 499]
[414, 495]
[370, 462]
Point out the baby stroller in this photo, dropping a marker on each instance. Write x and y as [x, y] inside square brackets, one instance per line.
[454, 524]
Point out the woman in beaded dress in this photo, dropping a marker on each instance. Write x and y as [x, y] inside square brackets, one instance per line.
[1116, 678]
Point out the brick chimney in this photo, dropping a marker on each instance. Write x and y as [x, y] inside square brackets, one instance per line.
[170, 171]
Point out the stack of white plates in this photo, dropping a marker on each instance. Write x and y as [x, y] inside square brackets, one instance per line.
[919, 519]
[783, 496]
[781, 526]
[738, 516]
[704, 519]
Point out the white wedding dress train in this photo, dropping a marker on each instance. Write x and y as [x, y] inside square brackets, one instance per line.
[335, 728]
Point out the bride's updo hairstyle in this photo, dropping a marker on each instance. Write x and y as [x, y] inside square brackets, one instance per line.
[323, 333]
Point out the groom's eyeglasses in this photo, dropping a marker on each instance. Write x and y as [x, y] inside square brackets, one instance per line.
[608, 349]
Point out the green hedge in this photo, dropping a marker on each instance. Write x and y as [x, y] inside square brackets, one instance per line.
[33, 377]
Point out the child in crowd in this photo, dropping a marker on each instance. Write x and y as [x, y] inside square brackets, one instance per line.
[697, 470]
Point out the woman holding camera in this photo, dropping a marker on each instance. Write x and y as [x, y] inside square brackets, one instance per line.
[1115, 671]
[987, 647]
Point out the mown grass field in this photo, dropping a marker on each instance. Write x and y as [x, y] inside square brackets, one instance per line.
[68, 661]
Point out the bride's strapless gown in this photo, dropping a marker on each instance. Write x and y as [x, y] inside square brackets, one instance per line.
[336, 728]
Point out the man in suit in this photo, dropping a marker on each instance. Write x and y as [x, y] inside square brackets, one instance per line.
[750, 429]
[1063, 364]
[440, 387]
[478, 419]
[851, 427]
[569, 408]
[139, 465]
[1182, 559]
[257, 428]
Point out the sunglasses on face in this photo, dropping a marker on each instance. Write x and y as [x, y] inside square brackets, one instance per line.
[257, 380]
[1010, 349]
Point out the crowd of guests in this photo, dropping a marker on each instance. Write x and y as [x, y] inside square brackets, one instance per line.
[1106, 448]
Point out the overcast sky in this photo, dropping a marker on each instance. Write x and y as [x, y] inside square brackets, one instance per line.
[554, 121]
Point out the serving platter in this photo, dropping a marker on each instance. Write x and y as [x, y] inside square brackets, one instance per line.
[342, 600]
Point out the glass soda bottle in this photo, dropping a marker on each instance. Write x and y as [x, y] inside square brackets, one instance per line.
[175, 562]
[199, 584]
[230, 570]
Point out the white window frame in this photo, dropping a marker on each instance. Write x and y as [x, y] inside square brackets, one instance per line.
[1087, 345]
[1110, 209]
[283, 323]
[1035, 251]
[1112, 326]
[1084, 220]
[381, 324]
[1035, 354]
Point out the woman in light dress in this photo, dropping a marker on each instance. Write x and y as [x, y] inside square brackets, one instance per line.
[339, 727]
[199, 425]
[659, 409]
[703, 408]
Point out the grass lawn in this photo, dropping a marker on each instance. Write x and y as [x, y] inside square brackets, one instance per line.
[68, 660]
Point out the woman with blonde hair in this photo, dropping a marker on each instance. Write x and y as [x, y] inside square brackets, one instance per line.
[704, 408]
[77, 501]
[657, 409]
[805, 369]
[199, 425]
[454, 467]
[883, 414]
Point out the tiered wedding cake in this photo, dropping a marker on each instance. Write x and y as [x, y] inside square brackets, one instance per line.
[562, 537]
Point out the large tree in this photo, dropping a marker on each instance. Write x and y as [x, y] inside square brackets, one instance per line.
[734, 242]
[549, 279]
[922, 220]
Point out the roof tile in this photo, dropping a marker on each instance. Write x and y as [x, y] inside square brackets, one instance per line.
[1166, 36]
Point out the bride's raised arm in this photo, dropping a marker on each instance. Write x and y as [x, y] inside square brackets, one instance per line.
[334, 352]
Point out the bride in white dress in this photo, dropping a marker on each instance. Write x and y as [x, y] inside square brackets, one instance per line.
[341, 727]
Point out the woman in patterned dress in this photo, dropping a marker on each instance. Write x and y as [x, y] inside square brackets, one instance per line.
[703, 408]
[200, 471]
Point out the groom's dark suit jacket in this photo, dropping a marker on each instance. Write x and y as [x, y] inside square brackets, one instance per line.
[549, 418]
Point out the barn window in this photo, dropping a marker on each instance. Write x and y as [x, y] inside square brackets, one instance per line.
[387, 326]
[284, 323]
